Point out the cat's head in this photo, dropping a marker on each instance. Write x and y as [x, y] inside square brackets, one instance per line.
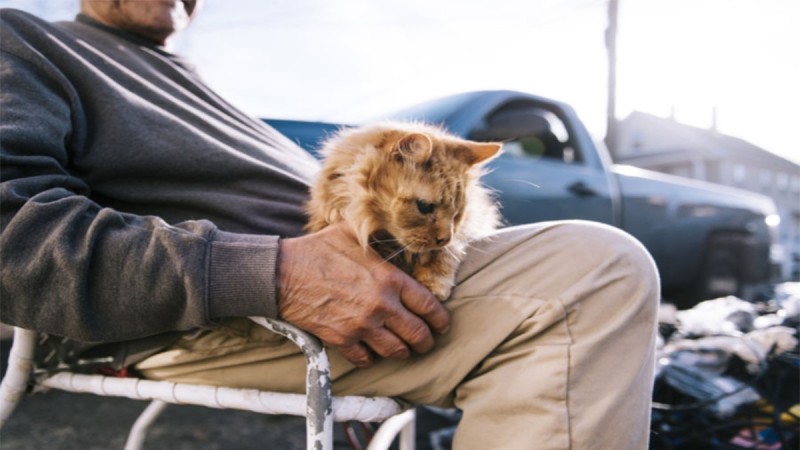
[419, 180]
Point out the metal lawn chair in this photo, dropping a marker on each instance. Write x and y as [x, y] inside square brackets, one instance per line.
[318, 406]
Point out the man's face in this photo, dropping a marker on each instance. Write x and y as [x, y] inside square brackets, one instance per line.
[154, 20]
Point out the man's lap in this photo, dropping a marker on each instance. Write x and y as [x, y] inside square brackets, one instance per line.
[542, 271]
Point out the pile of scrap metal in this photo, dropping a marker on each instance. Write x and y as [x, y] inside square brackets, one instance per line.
[728, 374]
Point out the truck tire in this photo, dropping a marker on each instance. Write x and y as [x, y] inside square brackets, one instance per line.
[721, 273]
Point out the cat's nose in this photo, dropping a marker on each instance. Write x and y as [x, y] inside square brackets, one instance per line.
[442, 240]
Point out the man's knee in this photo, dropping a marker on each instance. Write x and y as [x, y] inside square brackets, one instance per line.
[598, 245]
[618, 269]
[559, 259]
[595, 257]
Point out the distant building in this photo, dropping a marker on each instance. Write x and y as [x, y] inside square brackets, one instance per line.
[664, 145]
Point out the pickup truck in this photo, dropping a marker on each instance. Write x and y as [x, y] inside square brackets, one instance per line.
[707, 240]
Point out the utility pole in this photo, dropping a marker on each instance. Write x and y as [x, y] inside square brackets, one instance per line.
[611, 51]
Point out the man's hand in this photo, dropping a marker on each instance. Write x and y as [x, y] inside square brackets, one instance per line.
[353, 300]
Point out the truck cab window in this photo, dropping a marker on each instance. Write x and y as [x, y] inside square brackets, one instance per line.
[528, 132]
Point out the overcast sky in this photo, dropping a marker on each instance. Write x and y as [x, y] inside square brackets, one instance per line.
[347, 60]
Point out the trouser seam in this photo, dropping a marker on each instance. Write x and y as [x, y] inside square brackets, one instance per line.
[567, 383]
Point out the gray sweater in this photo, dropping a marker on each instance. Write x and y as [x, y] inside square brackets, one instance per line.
[134, 199]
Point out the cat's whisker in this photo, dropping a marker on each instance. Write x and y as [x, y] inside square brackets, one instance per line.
[476, 249]
[452, 252]
[382, 241]
[526, 182]
[394, 254]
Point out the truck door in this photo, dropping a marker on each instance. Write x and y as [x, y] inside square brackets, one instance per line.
[542, 174]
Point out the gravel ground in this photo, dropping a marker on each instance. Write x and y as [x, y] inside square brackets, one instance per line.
[60, 420]
[65, 421]
[57, 420]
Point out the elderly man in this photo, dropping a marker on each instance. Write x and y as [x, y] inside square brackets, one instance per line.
[136, 203]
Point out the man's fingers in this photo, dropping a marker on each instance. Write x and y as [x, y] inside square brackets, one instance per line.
[387, 344]
[421, 302]
[357, 354]
[412, 330]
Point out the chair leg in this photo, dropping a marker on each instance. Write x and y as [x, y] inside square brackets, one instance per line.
[18, 372]
[408, 435]
[403, 424]
[142, 424]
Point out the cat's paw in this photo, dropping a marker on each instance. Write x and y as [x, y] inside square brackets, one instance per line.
[440, 290]
[439, 279]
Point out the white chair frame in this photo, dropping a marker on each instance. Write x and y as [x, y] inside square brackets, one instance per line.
[318, 406]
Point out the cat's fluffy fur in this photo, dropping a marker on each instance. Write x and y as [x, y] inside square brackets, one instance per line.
[411, 192]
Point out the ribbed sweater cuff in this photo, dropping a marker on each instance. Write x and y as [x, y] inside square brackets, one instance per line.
[242, 275]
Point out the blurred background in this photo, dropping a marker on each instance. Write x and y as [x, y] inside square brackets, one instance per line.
[733, 64]
[706, 89]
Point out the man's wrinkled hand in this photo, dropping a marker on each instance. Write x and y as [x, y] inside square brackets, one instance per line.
[353, 300]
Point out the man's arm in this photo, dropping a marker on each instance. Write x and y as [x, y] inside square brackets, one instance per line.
[74, 268]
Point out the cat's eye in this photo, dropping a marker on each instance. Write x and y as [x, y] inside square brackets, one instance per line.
[424, 207]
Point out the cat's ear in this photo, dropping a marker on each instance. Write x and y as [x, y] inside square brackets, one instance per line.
[415, 147]
[479, 152]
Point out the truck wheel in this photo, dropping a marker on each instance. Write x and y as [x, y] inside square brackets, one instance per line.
[721, 273]
[719, 276]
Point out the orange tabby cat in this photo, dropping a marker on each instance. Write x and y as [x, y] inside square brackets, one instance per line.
[411, 192]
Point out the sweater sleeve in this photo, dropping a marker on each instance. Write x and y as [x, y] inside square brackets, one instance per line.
[71, 267]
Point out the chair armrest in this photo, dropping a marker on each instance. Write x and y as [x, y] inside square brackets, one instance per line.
[318, 377]
[316, 357]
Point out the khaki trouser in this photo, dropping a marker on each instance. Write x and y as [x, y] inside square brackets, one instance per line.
[551, 345]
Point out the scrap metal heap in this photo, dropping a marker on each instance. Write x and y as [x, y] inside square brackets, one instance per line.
[728, 374]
